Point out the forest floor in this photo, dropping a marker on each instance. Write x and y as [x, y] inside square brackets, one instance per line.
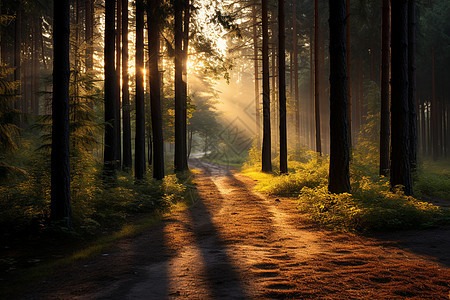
[234, 243]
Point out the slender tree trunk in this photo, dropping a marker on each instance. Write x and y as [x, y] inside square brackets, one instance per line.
[186, 20]
[273, 75]
[339, 180]
[296, 98]
[385, 53]
[256, 70]
[316, 77]
[266, 147]
[139, 159]
[155, 88]
[400, 168]
[110, 89]
[291, 74]
[282, 86]
[17, 53]
[118, 90]
[89, 34]
[311, 90]
[180, 134]
[127, 155]
[60, 171]
[412, 84]
[349, 72]
[433, 117]
[36, 73]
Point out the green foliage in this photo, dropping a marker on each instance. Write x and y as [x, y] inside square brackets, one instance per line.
[371, 205]
[9, 132]
[433, 180]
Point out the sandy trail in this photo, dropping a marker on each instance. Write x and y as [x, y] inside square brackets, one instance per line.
[236, 244]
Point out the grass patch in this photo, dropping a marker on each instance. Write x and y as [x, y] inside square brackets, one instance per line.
[136, 215]
[371, 206]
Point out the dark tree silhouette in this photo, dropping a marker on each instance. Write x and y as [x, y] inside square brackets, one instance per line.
[89, 34]
[384, 120]
[256, 70]
[339, 178]
[349, 71]
[180, 133]
[110, 89]
[412, 84]
[282, 86]
[266, 146]
[155, 88]
[295, 82]
[127, 155]
[316, 77]
[60, 170]
[117, 95]
[17, 52]
[184, 59]
[400, 168]
[139, 160]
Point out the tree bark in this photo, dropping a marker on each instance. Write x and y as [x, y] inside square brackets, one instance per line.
[89, 34]
[17, 53]
[110, 90]
[256, 70]
[316, 77]
[186, 20]
[118, 90]
[295, 51]
[139, 160]
[349, 72]
[155, 89]
[400, 168]
[412, 84]
[384, 117]
[180, 134]
[266, 147]
[339, 178]
[60, 207]
[282, 86]
[127, 155]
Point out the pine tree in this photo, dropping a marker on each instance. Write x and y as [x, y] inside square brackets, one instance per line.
[339, 177]
[400, 167]
[60, 171]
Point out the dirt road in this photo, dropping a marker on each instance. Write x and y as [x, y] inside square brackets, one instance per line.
[236, 244]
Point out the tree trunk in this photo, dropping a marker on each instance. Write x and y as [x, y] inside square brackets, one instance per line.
[266, 147]
[89, 34]
[127, 155]
[180, 134]
[400, 168]
[60, 171]
[282, 86]
[295, 51]
[155, 88]
[17, 52]
[349, 72]
[110, 90]
[186, 20]
[36, 67]
[339, 180]
[139, 160]
[412, 84]
[118, 102]
[434, 111]
[316, 77]
[385, 53]
[256, 70]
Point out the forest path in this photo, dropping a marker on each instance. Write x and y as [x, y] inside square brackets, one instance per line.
[236, 244]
